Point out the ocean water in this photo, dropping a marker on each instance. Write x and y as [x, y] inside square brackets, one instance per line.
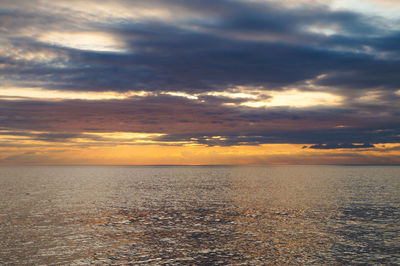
[198, 215]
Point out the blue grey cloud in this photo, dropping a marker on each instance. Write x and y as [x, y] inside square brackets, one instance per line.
[204, 46]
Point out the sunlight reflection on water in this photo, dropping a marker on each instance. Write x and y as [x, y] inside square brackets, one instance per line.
[195, 215]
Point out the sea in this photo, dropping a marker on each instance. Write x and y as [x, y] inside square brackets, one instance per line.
[199, 215]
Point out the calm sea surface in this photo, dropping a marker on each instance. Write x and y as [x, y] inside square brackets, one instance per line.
[197, 215]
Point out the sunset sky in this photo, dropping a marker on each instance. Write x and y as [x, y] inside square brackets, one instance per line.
[199, 82]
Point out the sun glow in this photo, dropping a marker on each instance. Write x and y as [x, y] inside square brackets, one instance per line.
[295, 98]
[93, 41]
[154, 154]
[19, 93]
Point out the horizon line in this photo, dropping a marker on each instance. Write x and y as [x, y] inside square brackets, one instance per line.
[191, 165]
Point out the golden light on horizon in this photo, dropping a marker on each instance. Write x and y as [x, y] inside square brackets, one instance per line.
[36, 153]
[138, 148]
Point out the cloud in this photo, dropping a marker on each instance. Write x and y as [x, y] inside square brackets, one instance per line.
[213, 47]
[202, 121]
[341, 146]
[214, 73]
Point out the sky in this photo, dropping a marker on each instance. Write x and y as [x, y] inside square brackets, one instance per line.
[199, 82]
